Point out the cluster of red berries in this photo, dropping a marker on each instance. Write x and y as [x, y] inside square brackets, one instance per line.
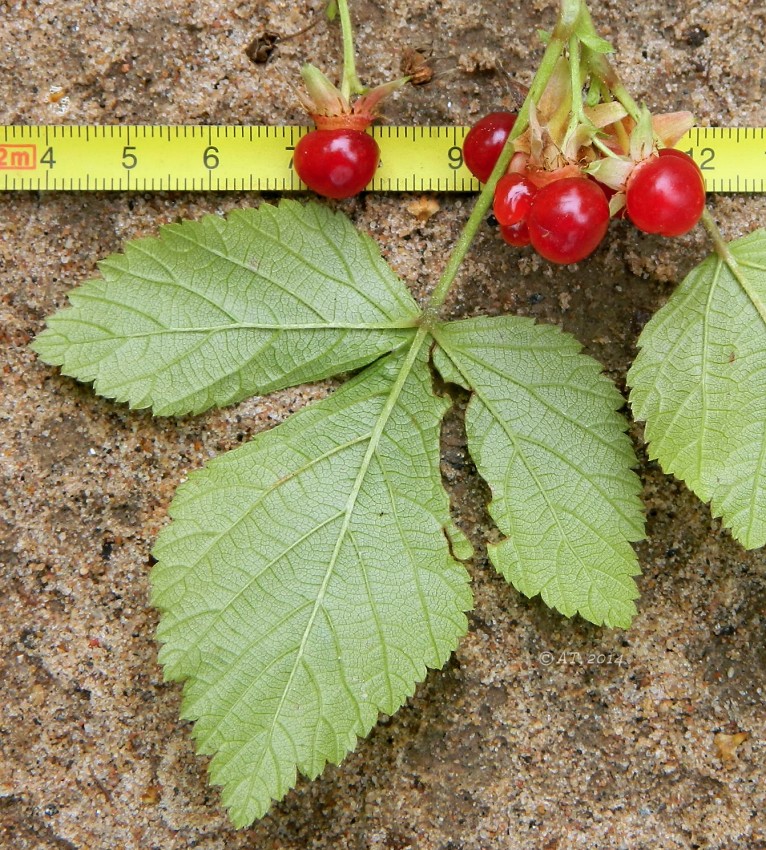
[564, 216]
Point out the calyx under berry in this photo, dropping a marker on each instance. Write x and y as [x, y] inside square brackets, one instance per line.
[330, 109]
[645, 138]
[338, 159]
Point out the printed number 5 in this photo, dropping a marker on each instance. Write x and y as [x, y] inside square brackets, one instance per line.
[129, 159]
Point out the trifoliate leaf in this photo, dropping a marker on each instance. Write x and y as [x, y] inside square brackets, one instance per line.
[699, 381]
[306, 582]
[545, 434]
[217, 310]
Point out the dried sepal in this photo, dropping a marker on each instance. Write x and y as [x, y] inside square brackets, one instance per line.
[642, 142]
[330, 109]
[616, 204]
[612, 171]
[604, 114]
[671, 127]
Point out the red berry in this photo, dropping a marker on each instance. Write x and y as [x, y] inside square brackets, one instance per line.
[513, 198]
[568, 219]
[515, 234]
[336, 163]
[484, 142]
[665, 194]
[673, 152]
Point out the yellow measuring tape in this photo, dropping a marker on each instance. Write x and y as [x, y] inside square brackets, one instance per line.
[226, 158]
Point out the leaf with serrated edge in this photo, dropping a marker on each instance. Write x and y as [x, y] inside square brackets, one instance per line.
[699, 382]
[544, 431]
[306, 582]
[216, 310]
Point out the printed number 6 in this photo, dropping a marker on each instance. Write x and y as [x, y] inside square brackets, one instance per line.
[209, 157]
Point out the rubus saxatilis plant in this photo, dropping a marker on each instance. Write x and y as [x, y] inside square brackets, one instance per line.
[309, 579]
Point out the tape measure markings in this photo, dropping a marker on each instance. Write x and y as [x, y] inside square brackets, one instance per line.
[737, 154]
[188, 157]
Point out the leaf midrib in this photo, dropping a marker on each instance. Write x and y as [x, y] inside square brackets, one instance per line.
[394, 325]
[554, 513]
[704, 361]
[374, 441]
[530, 440]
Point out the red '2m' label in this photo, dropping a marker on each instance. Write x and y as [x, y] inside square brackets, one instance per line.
[18, 157]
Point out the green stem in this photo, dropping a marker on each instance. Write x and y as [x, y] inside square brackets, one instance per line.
[350, 83]
[605, 149]
[624, 96]
[602, 68]
[577, 116]
[569, 13]
[722, 249]
[719, 243]
[484, 201]
[576, 79]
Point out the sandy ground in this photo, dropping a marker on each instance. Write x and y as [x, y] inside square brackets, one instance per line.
[616, 749]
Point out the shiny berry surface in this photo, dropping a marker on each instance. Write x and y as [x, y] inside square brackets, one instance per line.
[336, 163]
[568, 219]
[515, 234]
[484, 142]
[513, 198]
[665, 194]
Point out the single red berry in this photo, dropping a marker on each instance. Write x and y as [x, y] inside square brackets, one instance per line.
[336, 163]
[513, 198]
[484, 141]
[568, 219]
[673, 152]
[665, 194]
[515, 234]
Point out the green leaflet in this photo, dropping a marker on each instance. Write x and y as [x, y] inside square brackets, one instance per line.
[306, 582]
[309, 579]
[544, 432]
[217, 310]
[699, 381]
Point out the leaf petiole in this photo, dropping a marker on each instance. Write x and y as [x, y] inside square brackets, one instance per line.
[721, 247]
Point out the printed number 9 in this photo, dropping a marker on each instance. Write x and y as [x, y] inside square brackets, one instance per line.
[455, 156]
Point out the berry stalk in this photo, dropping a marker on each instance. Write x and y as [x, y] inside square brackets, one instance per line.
[484, 201]
[591, 148]
[350, 82]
